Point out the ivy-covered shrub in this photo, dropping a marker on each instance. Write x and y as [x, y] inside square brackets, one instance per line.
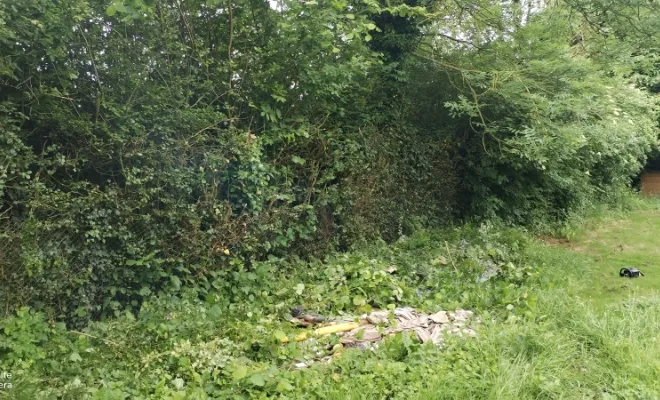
[143, 147]
[150, 145]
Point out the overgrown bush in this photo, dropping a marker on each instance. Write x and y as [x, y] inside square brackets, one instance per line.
[142, 145]
[146, 143]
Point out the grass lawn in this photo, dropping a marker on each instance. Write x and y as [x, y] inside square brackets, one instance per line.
[603, 246]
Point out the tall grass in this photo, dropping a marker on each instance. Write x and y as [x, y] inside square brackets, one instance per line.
[566, 351]
[564, 348]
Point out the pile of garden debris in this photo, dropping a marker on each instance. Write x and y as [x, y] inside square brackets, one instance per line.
[366, 331]
[374, 326]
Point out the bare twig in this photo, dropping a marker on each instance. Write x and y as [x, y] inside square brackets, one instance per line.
[96, 72]
[231, 38]
[451, 259]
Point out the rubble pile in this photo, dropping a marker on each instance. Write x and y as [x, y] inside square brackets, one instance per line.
[373, 327]
[427, 327]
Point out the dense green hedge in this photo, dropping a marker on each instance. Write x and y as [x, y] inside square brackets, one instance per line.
[146, 144]
[141, 151]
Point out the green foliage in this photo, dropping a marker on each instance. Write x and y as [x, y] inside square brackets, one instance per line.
[150, 146]
[543, 129]
[141, 128]
[225, 340]
[23, 336]
[175, 176]
[187, 347]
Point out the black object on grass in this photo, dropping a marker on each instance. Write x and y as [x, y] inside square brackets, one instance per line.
[630, 273]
